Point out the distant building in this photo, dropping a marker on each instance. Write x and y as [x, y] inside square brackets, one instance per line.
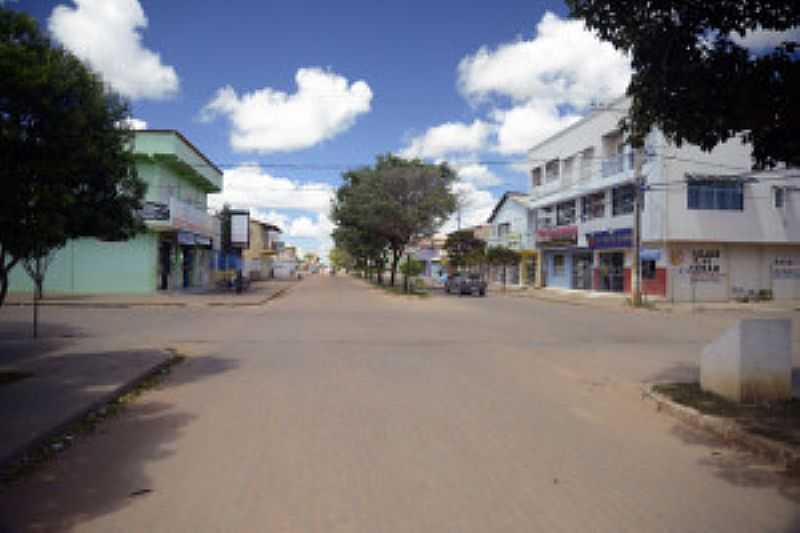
[178, 249]
[259, 258]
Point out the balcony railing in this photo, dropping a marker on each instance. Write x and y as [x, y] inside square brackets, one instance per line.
[616, 164]
[176, 215]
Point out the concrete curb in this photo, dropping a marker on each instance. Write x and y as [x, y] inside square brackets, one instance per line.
[71, 419]
[729, 430]
[125, 305]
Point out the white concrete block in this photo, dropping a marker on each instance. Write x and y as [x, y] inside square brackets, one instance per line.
[750, 362]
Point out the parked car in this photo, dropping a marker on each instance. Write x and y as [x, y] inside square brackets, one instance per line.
[465, 284]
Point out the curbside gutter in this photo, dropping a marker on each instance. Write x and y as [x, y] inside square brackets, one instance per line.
[728, 430]
[39, 440]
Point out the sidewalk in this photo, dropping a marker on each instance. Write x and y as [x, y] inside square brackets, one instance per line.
[64, 380]
[617, 300]
[258, 293]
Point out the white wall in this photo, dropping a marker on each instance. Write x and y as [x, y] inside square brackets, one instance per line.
[759, 222]
[517, 216]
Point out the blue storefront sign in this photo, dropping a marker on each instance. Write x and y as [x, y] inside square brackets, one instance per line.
[603, 240]
[185, 238]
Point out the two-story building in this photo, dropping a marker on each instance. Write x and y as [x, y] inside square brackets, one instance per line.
[712, 229]
[259, 257]
[177, 250]
[511, 225]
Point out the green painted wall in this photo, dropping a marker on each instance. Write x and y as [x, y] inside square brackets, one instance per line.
[89, 266]
[169, 142]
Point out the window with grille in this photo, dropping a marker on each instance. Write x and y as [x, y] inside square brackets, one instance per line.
[715, 195]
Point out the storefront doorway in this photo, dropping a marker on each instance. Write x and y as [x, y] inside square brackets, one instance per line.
[530, 272]
[188, 264]
[582, 271]
[612, 272]
[164, 265]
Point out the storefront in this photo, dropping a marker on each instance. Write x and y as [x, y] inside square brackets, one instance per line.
[610, 247]
[561, 258]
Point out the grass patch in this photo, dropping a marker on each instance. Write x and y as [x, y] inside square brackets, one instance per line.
[398, 290]
[776, 420]
[31, 461]
[7, 377]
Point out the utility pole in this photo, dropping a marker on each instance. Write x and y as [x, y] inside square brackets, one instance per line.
[636, 267]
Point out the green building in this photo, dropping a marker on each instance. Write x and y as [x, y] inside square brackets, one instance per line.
[179, 249]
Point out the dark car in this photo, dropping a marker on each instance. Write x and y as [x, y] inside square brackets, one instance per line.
[465, 284]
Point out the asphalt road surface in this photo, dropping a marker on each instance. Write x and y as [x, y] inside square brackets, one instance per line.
[340, 408]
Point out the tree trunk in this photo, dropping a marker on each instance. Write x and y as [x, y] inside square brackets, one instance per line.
[3, 285]
[408, 269]
[5, 270]
[504, 278]
[395, 261]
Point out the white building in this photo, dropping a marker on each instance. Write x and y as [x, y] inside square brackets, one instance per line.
[712, 230]
[513, 226]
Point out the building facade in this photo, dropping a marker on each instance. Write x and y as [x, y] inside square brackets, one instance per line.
[178, 249]
[259, 257]
[712, 229]
[511, 225]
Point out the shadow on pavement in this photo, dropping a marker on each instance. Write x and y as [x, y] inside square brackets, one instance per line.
[681, 373]
[105, 470]
[737, 467]
[23, 330]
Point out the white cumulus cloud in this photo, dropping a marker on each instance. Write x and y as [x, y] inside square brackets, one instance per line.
[477, 174]
[107, 34]
[448, 138]
[564, 63]
[306, 227]
[475, 206]
[267, 120]
[523, 126]
[765, 39]
[134, 124]
[249, 187]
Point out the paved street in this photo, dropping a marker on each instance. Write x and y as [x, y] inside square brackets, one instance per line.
[340, 408]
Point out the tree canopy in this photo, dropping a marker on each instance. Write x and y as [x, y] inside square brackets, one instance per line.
[464, 248]
[390, 204]
[696, 79]
[66, 161]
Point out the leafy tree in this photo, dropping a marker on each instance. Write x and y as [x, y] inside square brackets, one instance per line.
[464, 248]
[341, 259]
[410, 268]
[395, 201]
[695, 80]
[502, 257]
[367, 250]
[67, 166]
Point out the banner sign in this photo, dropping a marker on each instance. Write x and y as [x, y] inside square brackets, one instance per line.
[603, 240]
[202, 240]
[558, 235]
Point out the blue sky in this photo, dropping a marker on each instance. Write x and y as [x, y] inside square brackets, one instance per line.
[457, 81]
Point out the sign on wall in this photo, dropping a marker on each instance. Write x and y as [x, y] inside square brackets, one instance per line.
[701, 264]
[558, 235]
[785, 268]
[603, 240]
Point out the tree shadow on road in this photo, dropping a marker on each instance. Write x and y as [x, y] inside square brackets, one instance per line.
[739, 467]
[105, 470]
